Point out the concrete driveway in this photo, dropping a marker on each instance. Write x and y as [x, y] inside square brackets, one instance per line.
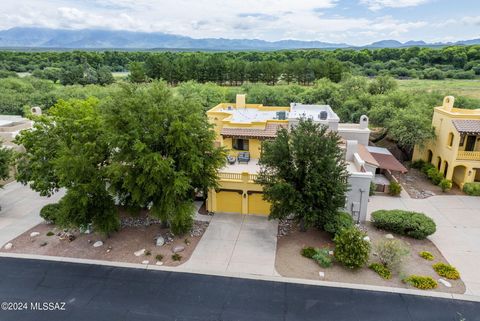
[458, 229]
[20, 210]
[236, 243]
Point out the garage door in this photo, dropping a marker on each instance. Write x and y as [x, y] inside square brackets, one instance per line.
[257, 205]
[229, 202]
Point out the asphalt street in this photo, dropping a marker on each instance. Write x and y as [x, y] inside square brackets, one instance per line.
[46, 290]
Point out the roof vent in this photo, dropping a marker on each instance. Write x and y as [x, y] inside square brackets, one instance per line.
[323, 115]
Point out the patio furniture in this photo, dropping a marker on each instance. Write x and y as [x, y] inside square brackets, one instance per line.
[231, 159]
[243, 157]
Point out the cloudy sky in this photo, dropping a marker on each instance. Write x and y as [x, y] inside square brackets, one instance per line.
[351, 21]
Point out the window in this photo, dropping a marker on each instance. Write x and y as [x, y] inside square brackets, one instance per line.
[240, 144]
[450, 139]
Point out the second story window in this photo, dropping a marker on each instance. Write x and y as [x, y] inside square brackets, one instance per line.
[240, 144]
[450, 139]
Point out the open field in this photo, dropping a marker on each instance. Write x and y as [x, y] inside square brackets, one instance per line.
[468, 88]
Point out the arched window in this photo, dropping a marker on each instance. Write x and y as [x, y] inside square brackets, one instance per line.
[450, 139]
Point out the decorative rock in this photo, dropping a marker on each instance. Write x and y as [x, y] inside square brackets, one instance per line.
[367, 238]
[445, 282]
[330, 252]
[97, 244]
[160, 241]
[178, 248]
[321, 274]
[33, 234]
[159, 263]
[109, 248]
[8, 246]
[145, 262]
[139, 252]
[389, 236]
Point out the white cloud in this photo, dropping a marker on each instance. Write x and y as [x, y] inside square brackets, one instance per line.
[375, 5]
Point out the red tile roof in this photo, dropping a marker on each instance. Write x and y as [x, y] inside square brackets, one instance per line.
[270, 131]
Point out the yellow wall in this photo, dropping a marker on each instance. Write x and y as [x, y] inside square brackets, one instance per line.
[442, 122]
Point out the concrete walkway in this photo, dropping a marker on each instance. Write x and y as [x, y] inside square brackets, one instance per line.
[458, 229]
[236, 243]
[20, 209]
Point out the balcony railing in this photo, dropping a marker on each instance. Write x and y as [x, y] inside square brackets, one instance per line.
[238, 177]
[468, 155]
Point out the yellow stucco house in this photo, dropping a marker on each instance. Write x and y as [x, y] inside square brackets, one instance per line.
[456, 149]
[241, 128]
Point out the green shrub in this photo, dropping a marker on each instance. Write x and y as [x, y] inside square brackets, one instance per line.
[350, 247]
[472, 188]
[435, 176]
[176, 257]
[50, 233]
[421, 282]
[373, 188]
[182, 222]
[426, 167]
[413, 224]
[159, 257]
[391, 253]
[381, 270]
[418, 164]
[446, 271]
[323, 258]
[148, 253]
[394, 188]
[340, 221]
[445, 184]
[308, 252]
[50, 212]
[426, 255]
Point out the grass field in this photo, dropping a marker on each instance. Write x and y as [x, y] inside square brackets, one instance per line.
[467, 88]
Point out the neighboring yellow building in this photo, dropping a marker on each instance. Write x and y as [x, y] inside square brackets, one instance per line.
[456, 149]
[241, 128]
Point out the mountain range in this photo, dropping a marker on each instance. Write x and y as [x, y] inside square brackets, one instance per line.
[44, 38]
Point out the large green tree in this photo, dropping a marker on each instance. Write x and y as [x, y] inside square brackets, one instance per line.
[162, 151]
[304, 174]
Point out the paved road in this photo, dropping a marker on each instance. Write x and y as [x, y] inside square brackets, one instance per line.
[93, 292]
[458, 229]
[237, 243]
[20, 209]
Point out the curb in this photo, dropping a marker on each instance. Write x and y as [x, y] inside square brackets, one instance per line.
[153, 267]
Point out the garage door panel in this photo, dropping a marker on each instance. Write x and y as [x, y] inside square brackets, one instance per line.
[229, 202]
[257, 205]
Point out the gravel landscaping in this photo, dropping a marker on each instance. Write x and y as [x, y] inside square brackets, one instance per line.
[139, 240]
[290, 263]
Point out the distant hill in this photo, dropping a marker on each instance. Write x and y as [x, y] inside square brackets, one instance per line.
[22, 37]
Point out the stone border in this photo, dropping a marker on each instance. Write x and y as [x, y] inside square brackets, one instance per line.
[454, 296]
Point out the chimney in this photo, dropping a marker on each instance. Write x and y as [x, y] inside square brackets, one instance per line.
[363, 122]
[240, 101]
[448, 102]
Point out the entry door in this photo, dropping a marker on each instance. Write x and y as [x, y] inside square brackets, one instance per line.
[469, 147]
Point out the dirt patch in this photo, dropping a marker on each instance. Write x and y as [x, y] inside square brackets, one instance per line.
[290, 263]
[417, 185]
[120, 247]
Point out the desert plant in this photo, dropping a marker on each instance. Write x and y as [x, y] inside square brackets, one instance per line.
[421, 282]
[50, 212]
[373, 188]
[351, 249]
[159, 257]
[148, 253]
[426, 167]
[446, 271]
[445, 184]
[418, 164]
[426, 255]
[176, 257]
[391, 253]
[394, 188]
[308, 252]
[340, 221]
[381, 270]
[472, 188]
[413, 224]
[50, 233]
[323, 258]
